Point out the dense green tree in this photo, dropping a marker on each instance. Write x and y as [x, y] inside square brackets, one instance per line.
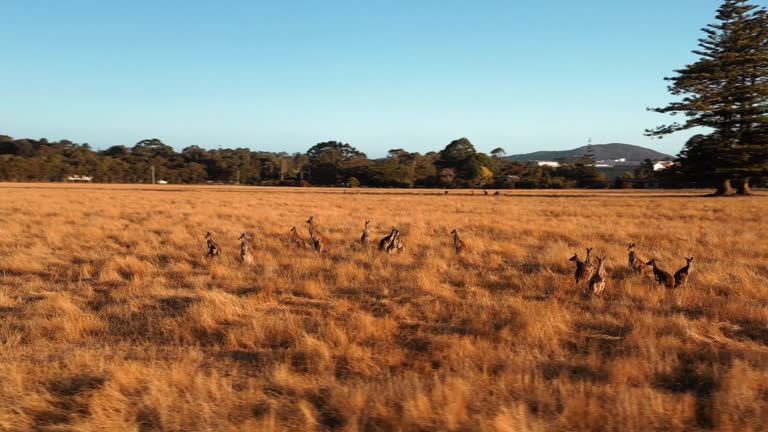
[333, 162]
[195, 153]
[581, 175]
[333, 152]
[116, 151]
[447, 176]
[193, 173]
[456, 153]
[152, 148]
[392, 172]
[468, 167]
[403, 169]
[726, 92]
[424, 169]
[22, 147]
[300, 165]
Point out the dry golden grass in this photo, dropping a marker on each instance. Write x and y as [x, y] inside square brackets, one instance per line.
[111, 318]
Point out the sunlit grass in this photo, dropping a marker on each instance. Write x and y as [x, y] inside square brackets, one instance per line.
[111, 317]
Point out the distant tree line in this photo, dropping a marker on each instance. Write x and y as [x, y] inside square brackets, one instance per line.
[458, 165]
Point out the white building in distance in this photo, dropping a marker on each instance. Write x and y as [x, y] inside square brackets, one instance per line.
[552, 164]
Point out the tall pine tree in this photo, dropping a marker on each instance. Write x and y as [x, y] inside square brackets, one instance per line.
[726, 92]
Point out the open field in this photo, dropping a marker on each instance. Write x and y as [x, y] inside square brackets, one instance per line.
[111, 318]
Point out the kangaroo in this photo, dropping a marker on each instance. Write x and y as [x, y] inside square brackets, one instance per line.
[297, 240]
[318, 241]
[588, 259]
[583, 270]
[458, 244]
[660, 275]
[364, 237]
[396, 245]
[399, 245]
[682, 275]
[246, 255]
[597, 281]
[636, 263]
[386, 241]
[213, 249]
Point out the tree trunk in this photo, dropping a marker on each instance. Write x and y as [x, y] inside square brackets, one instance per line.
[744, 188]
[725, 189]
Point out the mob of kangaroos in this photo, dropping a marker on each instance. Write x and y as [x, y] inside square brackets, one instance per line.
[663, 277]
[586, 271]
[595, 274]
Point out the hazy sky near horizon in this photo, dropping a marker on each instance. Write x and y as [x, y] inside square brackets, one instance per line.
[282, 76]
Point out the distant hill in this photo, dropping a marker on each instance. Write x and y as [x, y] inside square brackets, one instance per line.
[602, 152]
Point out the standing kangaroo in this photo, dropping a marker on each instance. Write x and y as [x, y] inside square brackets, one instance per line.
[588, 259]
[583, 270]
[364, 237]
[636, 264]
[297, 240]
[458, 244]
[386, 241]
[661, 276]
[246, 255]
[597, 281]
[682, 275]
[213, 249]
[396, 245]
[318, 241]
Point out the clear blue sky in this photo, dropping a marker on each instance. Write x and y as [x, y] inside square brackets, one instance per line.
[281, 75]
